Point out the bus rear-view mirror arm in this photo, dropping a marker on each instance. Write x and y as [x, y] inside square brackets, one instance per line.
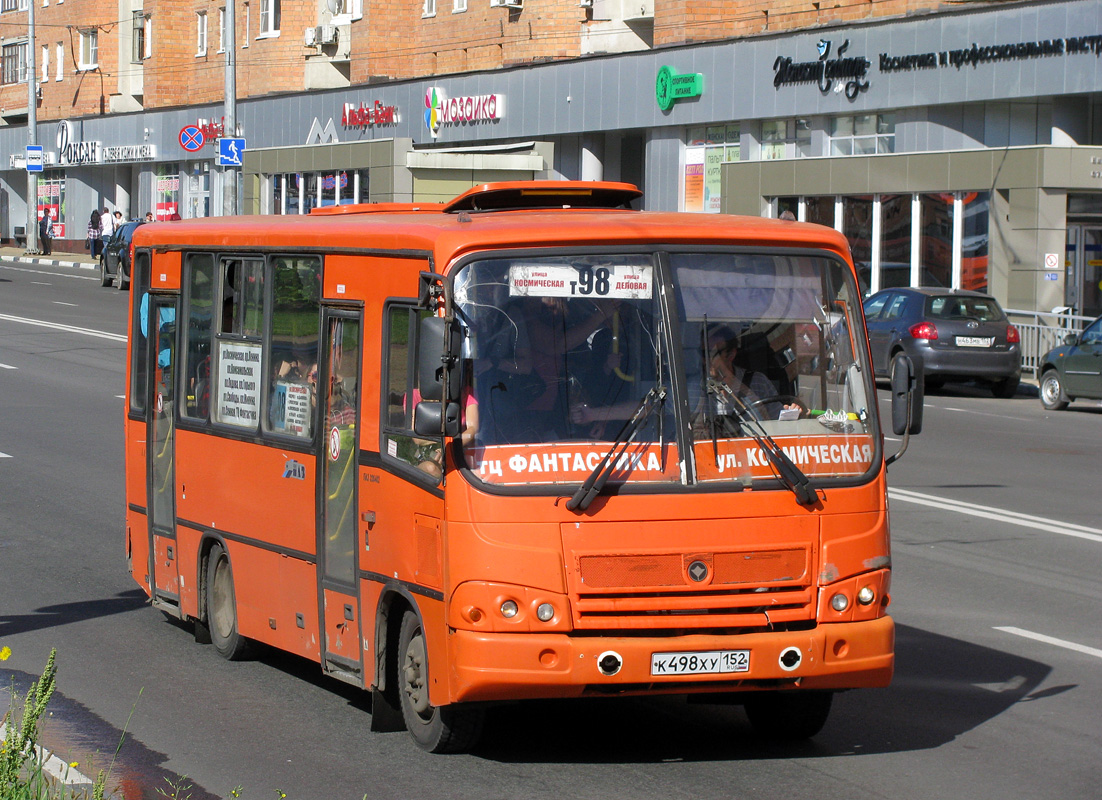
[908, 396]
[431, 419]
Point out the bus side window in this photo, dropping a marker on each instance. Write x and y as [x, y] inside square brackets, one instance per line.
[402, 395]
[291, 392]
[198, 307]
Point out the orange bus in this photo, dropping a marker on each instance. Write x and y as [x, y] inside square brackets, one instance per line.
[530, 443]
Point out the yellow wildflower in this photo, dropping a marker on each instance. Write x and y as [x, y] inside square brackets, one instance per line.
[5, 653]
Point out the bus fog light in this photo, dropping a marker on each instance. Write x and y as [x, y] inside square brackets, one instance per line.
[545, 612]
[474, 614]
[839, 602]
[866, 595]
[509, 609]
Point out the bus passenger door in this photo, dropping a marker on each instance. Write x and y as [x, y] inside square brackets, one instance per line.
[339, 397]
[159, 324]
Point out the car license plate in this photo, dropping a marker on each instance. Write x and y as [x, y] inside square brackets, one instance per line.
[715, 661]
[975, 341]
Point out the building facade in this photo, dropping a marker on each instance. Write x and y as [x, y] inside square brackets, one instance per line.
[958, 147]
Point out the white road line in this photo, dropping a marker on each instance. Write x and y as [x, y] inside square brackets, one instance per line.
[7, 366]
[1040, 637]
[51, 274]
[60, 303]
[41, 283]
[4, 455]
[115, 337]
[999, 514]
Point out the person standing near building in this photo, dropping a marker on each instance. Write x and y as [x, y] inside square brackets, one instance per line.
[46, 232]
[95, 232]
[108, 224]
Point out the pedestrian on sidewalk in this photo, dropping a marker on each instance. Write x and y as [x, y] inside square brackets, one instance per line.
[108, 224]
[95, 234]
[46, 233]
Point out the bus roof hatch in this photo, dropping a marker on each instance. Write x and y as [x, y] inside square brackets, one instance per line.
[545, 194]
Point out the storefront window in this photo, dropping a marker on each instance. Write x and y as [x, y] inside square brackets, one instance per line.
[936, 251]
[895, 240]
[51, 200]
[707, 149]
[820, 210]
[973, 247]
[198, 190]
[167, 192]
[857, 228]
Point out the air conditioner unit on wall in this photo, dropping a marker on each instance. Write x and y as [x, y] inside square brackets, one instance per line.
[311, 37]
[507, 3]
[585, 3]
[327, 34]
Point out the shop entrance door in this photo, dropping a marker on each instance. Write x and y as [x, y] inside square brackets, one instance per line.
[1083, 265]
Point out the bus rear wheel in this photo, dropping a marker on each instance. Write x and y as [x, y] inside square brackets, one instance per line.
[437, 729]
[789, 716]
[222, 607]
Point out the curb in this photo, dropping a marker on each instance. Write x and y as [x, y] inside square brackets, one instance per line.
[48, 262]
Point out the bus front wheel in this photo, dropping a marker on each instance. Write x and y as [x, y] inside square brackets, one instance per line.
[437, 729]
[789, 716]
[222, 607]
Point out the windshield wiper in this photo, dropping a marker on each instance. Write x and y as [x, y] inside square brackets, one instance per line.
[787, 471]
[607, 465]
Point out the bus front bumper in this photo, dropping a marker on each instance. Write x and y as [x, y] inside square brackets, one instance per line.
[517, 666]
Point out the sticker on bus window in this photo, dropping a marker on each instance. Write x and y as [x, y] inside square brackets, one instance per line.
[238, 383]
[618, 282]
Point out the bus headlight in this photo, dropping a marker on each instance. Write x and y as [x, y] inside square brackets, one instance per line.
[866, 595]
[545, 612]
[509, 609]
[839, 602]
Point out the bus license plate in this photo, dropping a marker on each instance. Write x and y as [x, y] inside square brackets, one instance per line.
[975, 341]
[715, 661]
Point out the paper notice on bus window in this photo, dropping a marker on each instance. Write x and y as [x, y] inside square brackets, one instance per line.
[596, 282]
[290, 411]
[238, 384]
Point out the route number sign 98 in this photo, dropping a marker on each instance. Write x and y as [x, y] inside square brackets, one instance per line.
[598, 282]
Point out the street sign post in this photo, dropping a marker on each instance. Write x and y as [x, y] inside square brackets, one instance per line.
[34, 158]
[230, 152]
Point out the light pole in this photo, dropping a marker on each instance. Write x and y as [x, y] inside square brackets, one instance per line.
[32, 135]
[229, 173]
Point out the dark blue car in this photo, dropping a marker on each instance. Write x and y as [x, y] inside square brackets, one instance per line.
[949, 335]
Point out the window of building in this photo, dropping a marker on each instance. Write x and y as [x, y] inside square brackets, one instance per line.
[248, 25]
[89, 49]
[429, 9]
[167, 191]
[201, 33]
[973, 246]
[15, 63]
[221, 30]
[45, 62]
[785, 138]
[459, 6]
[8, 5]
[936, 245]
[706, 150]
[269, 17]
[862, 134]
[141, 39]
[59, 61]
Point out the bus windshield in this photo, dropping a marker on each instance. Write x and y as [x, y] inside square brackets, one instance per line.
[567, 359]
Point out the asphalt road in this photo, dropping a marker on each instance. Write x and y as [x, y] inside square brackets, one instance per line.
[997, 593]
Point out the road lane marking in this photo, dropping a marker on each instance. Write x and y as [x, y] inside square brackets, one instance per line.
[4, 455]
[41, 283]
[51, 274]
[999, 514]
[115, 337]
[1040, 637]
[7, 366]
[60, 303]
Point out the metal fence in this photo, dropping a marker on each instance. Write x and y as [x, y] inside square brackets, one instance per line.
[1041, 332]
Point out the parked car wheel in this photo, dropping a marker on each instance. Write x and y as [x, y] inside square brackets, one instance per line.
[124, 277]
[105, 277]
[1053, 397]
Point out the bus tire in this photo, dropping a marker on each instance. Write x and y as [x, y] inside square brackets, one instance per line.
[222, 607]
[437, 729]
[788, 716]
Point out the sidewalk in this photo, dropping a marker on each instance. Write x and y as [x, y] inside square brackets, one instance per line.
[78, 260]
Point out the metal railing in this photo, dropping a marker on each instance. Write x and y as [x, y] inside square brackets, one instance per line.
[1041, 331]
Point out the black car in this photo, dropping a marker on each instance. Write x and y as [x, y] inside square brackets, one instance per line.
[115, 258]
[1073, 370]
[949, 335]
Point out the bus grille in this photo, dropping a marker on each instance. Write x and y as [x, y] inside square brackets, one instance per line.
[741, 589]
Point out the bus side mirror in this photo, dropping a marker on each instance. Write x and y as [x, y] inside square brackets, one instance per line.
[908, 395]
[432, 418]
[437, 351]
